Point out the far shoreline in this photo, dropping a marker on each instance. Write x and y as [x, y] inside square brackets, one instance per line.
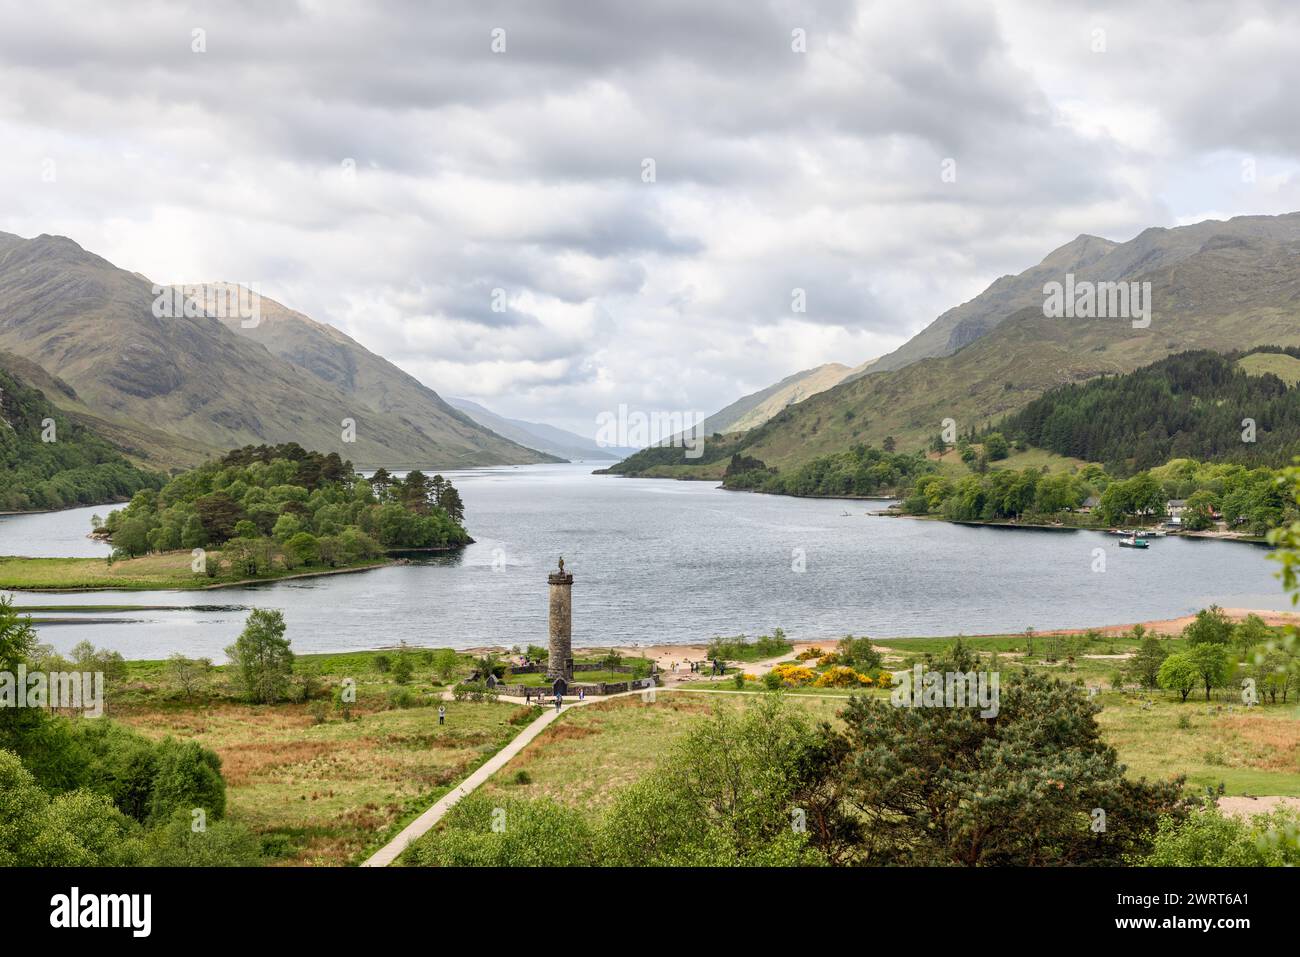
[681, 651]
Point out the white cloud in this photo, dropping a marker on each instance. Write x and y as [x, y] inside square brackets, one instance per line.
[522, 171]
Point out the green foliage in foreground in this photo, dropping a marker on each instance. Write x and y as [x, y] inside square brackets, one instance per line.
[76, 468]
[90, 792]
[83, 828]
[1209, 838]
[937, 786]
[696, 811]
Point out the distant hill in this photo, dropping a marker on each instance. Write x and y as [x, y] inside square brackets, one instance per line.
[1088, 258]
[1237, 290]
[75, 467]
[753, 410]
[538, 435]
[341, 362]
[192, 379]
[1285, 367]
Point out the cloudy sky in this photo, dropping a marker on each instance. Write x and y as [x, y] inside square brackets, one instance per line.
[380, 167]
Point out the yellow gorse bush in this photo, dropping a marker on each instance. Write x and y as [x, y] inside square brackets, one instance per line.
[842, 676]
[795, 676]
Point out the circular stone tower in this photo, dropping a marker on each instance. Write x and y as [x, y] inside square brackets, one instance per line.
[560, 662]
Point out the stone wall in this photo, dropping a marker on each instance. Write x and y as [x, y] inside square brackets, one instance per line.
[599, 688]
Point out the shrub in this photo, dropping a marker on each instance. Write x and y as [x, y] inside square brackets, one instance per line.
[218, 844]
[479, 832]
[401, 698]
[76, 829]
[88, 658]
[474, 691]
[858, 653]
[403, 668]
[188, 676]
[794, 676]
[841, 677]
[726, 795]
[741, 648]
[189, 776]
[445, 663]
[1209, 838]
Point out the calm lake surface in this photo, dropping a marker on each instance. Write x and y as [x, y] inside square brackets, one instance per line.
[659, 561]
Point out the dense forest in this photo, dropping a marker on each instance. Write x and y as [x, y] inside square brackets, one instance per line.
[49, 461]
[260, 503]
[861, 470]
[1190, 405]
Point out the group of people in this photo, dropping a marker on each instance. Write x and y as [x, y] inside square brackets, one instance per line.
[559, 698]
[697, 667]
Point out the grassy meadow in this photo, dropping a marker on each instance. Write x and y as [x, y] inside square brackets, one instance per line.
[325, 786]
[318, 785]
[154, 572]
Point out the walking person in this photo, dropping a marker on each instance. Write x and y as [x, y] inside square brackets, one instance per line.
[559, 699]
[442, 714]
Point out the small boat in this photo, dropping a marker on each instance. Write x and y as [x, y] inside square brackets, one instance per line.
[1134, 542]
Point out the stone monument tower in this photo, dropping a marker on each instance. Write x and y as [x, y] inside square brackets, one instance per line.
[560, 662]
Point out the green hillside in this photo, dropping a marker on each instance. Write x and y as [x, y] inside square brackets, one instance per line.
[1285, 367]
[1232, 294]
[1200, 405]
[49, 460]
[157, 368]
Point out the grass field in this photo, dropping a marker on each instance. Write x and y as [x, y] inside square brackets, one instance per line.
[1283, 366]
[167, 570]
[590, 753]
[1255, 752]
[331, 793]
[586, 756]
[951, 465]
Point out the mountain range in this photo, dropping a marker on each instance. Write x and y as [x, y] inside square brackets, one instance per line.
[1218, 285]
[172, 391]
[538, 435]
